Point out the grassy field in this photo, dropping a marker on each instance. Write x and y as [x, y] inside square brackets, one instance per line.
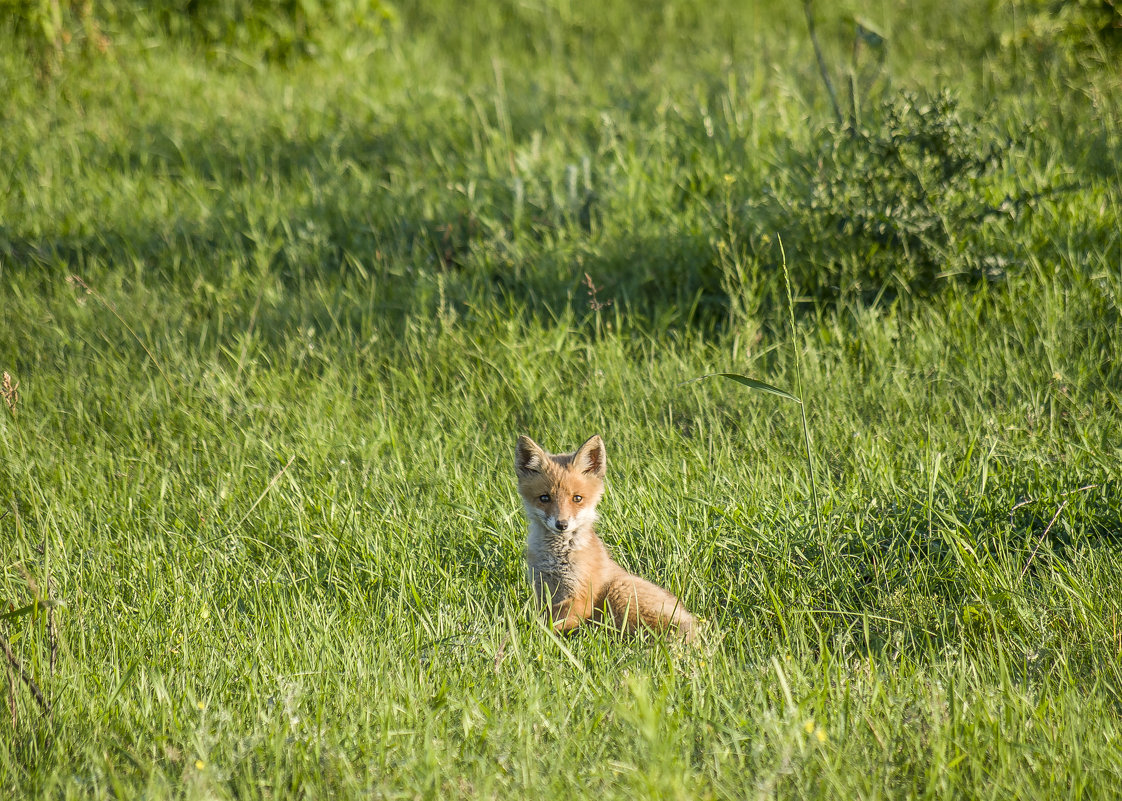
[276, 327]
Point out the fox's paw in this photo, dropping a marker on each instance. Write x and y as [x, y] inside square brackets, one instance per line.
[567, 625]
[700, 636]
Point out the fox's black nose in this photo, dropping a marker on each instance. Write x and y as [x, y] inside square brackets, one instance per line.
[562, 525]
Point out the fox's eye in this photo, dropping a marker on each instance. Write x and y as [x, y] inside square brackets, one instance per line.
[577, 498]
[543, 498]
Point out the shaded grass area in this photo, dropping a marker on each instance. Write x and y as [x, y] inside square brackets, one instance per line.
[265, 464]
[517, 180]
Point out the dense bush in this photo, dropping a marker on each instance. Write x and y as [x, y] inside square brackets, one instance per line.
[1069, 27]
[899, 202]
[278, 31]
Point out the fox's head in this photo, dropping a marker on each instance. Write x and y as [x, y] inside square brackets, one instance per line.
[561, 490]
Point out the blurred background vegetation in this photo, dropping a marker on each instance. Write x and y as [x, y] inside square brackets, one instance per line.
[280, 31]
[663, 151]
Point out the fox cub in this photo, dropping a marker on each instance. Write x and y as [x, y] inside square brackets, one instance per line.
[572, 574]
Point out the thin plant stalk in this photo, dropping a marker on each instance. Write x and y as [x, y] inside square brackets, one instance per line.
[825, 73]
[799, 388]
[761, 386]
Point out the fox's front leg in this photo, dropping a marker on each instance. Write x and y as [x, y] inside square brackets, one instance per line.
[566, 624]
[570, 613]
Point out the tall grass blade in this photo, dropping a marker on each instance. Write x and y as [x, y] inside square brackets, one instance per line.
[799, 384]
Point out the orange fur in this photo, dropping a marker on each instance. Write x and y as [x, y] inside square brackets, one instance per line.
[572, 574]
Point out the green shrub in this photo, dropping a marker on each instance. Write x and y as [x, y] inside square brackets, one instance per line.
[46, 28]
[898, 203]
[1069, 27]
[276, 31]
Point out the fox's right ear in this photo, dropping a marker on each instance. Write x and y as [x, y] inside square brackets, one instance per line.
[528, 457]
[590, 458]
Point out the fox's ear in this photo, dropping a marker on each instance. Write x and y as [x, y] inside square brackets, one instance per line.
[528, 457]
[590, 457]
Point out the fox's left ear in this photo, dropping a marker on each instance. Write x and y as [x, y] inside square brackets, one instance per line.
[590, 457]
[528, 456]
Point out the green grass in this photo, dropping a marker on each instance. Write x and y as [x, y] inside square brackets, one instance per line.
[266, 465]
